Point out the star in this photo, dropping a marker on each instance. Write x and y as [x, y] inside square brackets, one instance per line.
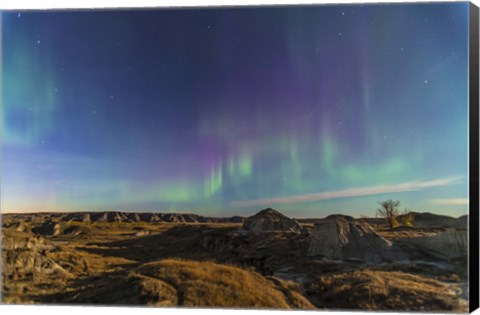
[38, 42]
[209, 27]
[343, 13]
[426, 81]
[339, 34]
[19, 15]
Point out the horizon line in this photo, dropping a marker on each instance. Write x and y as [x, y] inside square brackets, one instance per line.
[359, 216]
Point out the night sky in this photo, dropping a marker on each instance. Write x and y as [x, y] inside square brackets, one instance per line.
[310, 110]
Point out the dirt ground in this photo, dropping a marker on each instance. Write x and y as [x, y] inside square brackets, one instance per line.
[210, 264]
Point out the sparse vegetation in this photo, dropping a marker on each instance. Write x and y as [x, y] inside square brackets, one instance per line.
[380, 290]
[407, 218]
[206, 283]
[211, 265]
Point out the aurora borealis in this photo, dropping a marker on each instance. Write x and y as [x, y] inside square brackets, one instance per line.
[310, 110]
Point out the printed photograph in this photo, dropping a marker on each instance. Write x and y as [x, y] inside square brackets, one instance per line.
[309, 157]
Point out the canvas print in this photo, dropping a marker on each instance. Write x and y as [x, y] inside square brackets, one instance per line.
[281, 157]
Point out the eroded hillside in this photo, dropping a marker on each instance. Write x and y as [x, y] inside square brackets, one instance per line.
[265, 261]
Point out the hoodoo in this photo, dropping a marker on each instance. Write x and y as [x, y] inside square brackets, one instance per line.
[271, 220]
[449, 244]
[344, 238]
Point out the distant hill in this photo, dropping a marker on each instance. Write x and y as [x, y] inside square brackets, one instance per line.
[271, 220]
[427, 219]
[119, 216]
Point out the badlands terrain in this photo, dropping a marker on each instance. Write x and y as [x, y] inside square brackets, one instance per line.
[266, 260]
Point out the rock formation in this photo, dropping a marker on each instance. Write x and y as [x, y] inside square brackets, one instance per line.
[343, 238]
[73, 231]
[118, 216]
[28, 257]
[448, 244]
[77, 217]
[271, 220]
[48, 228]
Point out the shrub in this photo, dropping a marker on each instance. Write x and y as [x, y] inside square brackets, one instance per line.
[407, 218]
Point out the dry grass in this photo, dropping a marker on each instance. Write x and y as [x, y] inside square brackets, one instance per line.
[215, 285]
[392, 235]
[171, 264]
[382, 290]
[36, 268]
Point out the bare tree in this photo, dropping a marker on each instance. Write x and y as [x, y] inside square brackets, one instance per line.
[389, 210]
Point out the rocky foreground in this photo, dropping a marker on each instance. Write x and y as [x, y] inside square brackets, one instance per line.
[267, 260]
